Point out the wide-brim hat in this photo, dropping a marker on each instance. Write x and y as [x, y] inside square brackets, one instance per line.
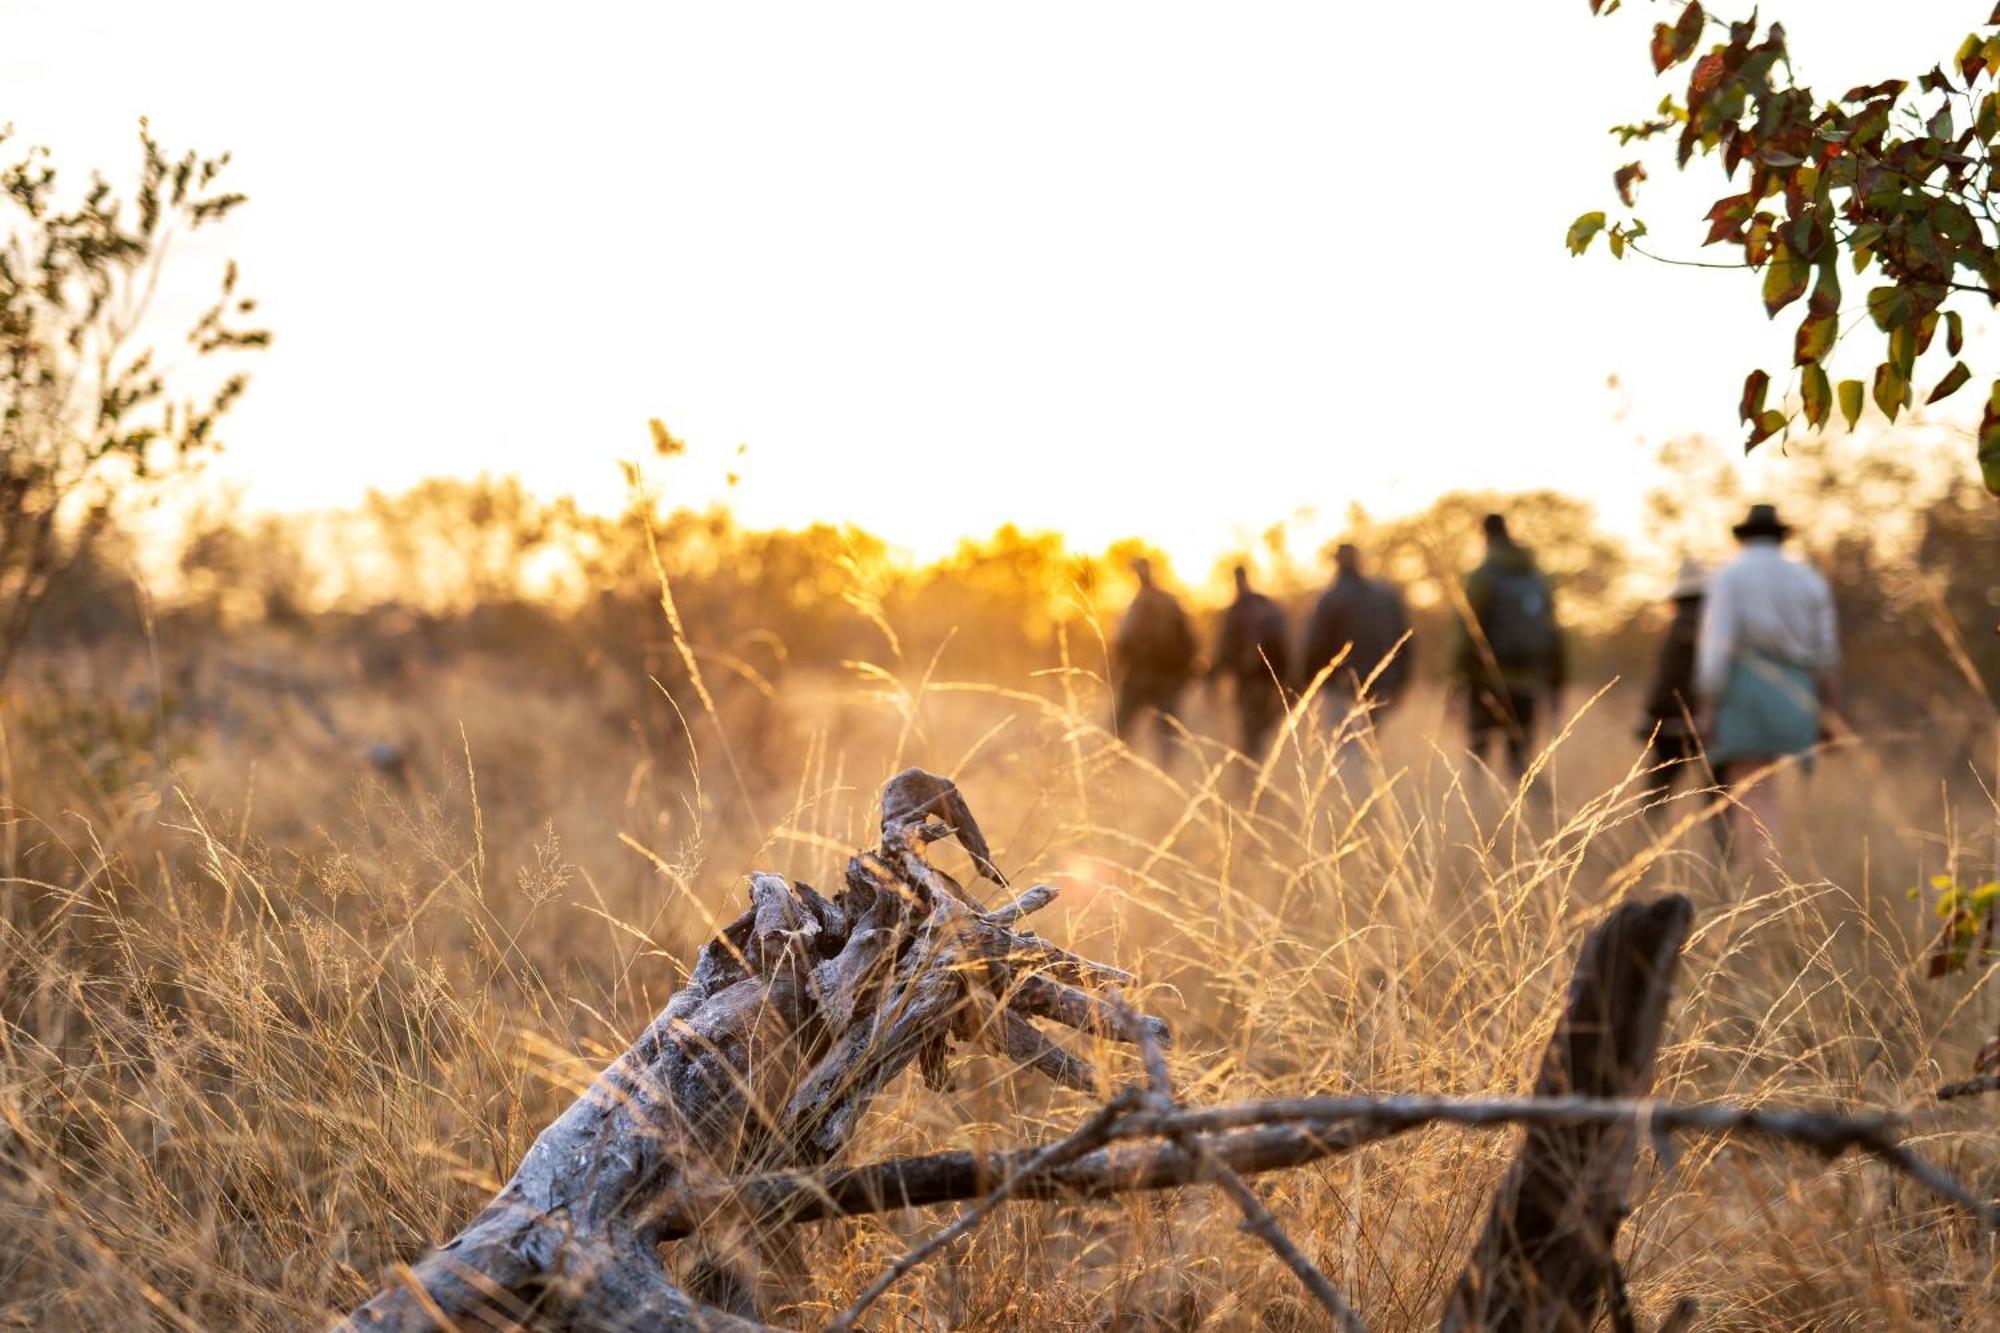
[1762, 521]
[1690, 581]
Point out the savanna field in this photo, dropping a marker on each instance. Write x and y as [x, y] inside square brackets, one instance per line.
[315, 914]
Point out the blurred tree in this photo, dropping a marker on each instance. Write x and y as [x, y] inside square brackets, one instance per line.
[1889, 175]
[1425, 552]
[86, 416]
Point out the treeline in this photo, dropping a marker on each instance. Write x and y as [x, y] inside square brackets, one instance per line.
[453, 566]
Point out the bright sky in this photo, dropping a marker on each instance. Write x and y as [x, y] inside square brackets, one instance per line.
[1173, 270]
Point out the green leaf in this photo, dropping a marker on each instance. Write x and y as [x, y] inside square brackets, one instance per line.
[1755, 385]
[1784, 279]
[1891, 390]
[1954, 332]
[1953, 381]
[1889, 307]
[1818, 395]
[1583, 230]
[1850, 400]
[1989, 441]
[1903, 352]
[1769, 422]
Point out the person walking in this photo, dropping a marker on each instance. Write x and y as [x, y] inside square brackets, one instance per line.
[1251, 648]
[1511, 659]
[1767, 664]
[1673, 744]
[1152, 656]
[1358, 627]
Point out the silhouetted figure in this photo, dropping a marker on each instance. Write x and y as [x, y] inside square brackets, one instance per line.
[1767, 661]
[1153, 656]
[1365, 619]
[1252, 648]
[1669, 729]
[1511, 659]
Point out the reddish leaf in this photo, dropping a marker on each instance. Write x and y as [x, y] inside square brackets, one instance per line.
[1672, 45]
[1784, 279]
[1950, 384]
[1625, 178]
[1814, 340]
[1886, 88]
[1726, 218]
[1755, 385]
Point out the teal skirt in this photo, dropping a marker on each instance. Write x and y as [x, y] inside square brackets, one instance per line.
[1768, 710]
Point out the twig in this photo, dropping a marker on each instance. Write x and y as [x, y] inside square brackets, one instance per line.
[1253, 1137]
[1257, 1219]
[952, 1177]
[1090, 1134]
[1970, 1087]
[1872, 1132]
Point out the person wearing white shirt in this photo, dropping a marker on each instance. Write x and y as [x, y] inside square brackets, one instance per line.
[1766, 662]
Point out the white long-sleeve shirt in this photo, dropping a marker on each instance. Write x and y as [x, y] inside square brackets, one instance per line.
[1763, 603]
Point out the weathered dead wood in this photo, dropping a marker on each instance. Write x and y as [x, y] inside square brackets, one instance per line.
[793, 1019]
[950, 1177]
[1970, 1087]
[1547, 1257]
[1257, 1219]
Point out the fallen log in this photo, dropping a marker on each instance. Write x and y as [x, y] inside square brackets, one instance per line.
[792, 1020]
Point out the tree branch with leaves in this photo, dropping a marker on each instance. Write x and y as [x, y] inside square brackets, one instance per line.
[87, 413]
[1891, 182]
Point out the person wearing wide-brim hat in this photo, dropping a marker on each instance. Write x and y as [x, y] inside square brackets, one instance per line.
[1673, 745]
[1767, 660]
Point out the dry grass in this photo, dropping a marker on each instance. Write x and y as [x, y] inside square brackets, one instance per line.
[272, 1023]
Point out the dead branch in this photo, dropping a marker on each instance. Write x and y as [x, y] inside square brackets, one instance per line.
[793, 1019]
[1257, 1219]
[1071, 1146]
[1970, 1087]
[952, 1177]
[733, 1107]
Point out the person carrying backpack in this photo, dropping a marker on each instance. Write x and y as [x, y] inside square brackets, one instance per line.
[1511, 659]
[1152, 657]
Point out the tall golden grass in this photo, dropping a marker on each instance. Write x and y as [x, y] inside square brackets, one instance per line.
[274, 1021]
